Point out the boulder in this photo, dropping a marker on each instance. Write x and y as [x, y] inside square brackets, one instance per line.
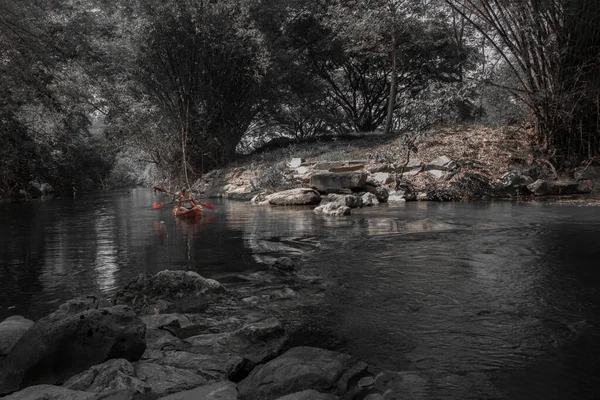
[160, 339]
[382, 178]
[299, 369]
[260, 199]
[397, 196]
[116, 374]
[61, 345]
[256, 342]
[11, 330]
[413, 167]
[213, 368]
[146, 293]
[592, 172]
[157, 321]
[369, 199]
[546, 188]
[165, 379]
[292, 197]
[441, 163]
[328, 181]
[348, 200]
[49, 392]
[335, 209]
[217, 391]
[309, 395]
[380, 192]
[295, 162]
[513, 183]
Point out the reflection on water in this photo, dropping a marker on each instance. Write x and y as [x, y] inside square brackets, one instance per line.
[502, 295]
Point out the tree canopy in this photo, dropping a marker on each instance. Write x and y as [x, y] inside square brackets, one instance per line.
[182, 84]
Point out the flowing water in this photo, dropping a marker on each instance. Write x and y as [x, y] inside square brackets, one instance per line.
[499, 297]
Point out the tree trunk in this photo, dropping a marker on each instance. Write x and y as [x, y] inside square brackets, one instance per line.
[392, 98]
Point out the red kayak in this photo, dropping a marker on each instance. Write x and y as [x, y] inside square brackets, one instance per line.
[195, 211]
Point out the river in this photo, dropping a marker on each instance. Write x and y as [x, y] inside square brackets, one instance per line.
[500, 296]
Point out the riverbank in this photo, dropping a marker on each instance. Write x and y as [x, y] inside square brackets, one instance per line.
[469, 163]
[177, 335]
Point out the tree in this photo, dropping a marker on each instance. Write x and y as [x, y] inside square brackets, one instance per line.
[552, 47]
[203, 64]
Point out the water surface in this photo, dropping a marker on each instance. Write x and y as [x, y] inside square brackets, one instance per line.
[498, 297]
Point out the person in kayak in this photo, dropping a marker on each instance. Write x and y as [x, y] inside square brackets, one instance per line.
[185, 199]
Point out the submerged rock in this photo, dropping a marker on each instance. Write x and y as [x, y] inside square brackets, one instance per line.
[283, 265]
[335, 209]
[149, 293]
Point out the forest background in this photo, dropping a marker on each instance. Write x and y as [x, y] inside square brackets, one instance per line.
[96, 94]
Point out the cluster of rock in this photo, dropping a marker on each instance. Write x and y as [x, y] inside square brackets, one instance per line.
[337, 187]
[127, 348]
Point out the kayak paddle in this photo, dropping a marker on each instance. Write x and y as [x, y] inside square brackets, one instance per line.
[162, 204]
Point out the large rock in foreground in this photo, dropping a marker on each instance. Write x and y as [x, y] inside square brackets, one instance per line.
[11, 330]
[49, 392]
[299, 369]
[295, 197]
[63, 344]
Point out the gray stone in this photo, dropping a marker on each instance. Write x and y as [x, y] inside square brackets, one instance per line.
[437, 174]
[49, 392]
[301, 196]
[369, 199]
[301, 368]
[334, 209]
[326, 181]
[309, 395]
[165, 379]
[295, 162]
[157, 321]
[347, 168]
[301, 170]
[114, 374]
[366, 381]
[381, 193]
[11, 330]
[216, 391]
[397, 197]
[546, 188]
[349, 200]
[442, 163]
[159, 339]
[213, 368]
[61, 345]
[256, 342]
[327, 165]
[592, 172]
[383, 178]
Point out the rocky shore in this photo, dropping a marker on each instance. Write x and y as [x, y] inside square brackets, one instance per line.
[177, 335]
[459, 165]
